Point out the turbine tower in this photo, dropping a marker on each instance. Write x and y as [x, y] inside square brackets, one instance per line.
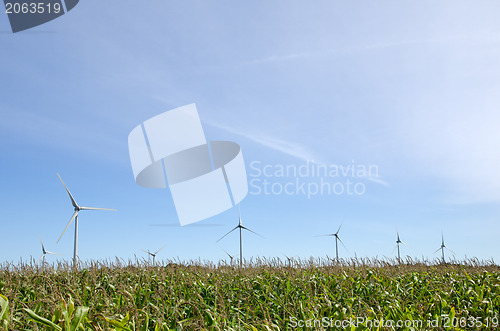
[443, 246]
[337, 239]
[44, 252]
[154, 254]
[241, 227]
[398, 242]
[75, 217]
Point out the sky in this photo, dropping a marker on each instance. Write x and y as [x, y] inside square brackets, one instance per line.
[409, 90]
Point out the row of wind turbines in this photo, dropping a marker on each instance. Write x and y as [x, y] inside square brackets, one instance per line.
[398, 243]
[240, 227]
[337, 240]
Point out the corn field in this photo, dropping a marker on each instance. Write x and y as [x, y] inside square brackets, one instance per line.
[267, 294]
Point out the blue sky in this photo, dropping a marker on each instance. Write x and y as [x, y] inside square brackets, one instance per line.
[412, 88]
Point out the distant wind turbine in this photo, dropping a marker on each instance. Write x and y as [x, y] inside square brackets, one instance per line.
[337, 239]
[289, 259]
[443, 246]
[154, 254]
[75, 217]
[231, 257]
[398, 242]
[44, 252]
[241, 227]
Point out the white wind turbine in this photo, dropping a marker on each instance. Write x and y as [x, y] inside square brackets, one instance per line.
[231, 257]
[44, 252]
[398, 242]
[75, 217]
[290, 260]
[154, 254]
[241, 227]
[337, 239]
[442, 247]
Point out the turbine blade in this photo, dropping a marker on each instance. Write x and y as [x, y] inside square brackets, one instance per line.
[41, 257]
[43, 248]
[160, 249]
[227, 234]
[251, 231]
[339, 228]
[94, 208]
[53, 253]
[69, 193]
[394, 249]
[343, 244]
[452, 252]
[67, 226]
[239, 214]
[404, 243]
[437, 250]
[228, 254]
[326, 235]
[147, 252]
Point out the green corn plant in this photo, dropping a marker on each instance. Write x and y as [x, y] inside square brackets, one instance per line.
[66, 318]
[122, 324]
[4, 313]
[119, 324]
[261, 296]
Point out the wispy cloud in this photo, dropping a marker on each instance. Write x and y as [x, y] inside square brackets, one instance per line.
[378, 180]
[291, 56]
[290, 148]
[286, 147]
[367, 47]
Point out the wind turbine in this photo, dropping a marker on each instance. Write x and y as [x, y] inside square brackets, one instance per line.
[398, 242]
[241, 227]
[231, 257]
[154, 254]
[337, 239]
[44, 252]
[75, 217]
[443, 246]
[289, 259]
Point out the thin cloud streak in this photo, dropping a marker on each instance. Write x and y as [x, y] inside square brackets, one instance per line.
[286, 147]
[347, 50]
[378, 180]
[289, 148]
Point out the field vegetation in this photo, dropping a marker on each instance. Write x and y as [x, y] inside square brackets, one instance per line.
[267, 294]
